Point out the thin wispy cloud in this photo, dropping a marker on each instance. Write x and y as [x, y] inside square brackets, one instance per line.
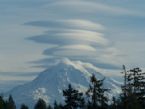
[83, 6]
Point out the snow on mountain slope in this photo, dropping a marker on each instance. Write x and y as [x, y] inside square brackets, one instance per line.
[50, 83]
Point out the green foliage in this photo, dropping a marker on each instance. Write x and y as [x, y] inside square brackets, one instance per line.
[57, 106]
[97, 93]
[133, 96]
[114, 103]
[49, 107]
[2, 103]
[23, 106]
[10, 104]
[40, 104]
[73, 98]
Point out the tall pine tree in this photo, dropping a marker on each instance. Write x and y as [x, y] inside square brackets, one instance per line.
[10, 104]
[2, 102]
[23, 106]
[133, 96]
[49, 107]
[40, 104]
[57, 106]
[73, 98]
[97, 94]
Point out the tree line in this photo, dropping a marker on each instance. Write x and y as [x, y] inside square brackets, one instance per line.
[132, 96]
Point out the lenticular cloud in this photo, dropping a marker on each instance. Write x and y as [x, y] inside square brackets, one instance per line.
[76, 36]
[70, 32]
[74, 39]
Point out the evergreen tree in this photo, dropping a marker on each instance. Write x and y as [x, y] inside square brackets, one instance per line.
[114, 104]
[73, 98]
[57, 106]
[49, 107]
[2, 102]
[40, 104]
[10, 104]
[133, 96]
[23, 106]
[97, 94]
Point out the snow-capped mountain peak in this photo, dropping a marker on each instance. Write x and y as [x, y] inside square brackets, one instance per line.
[50, 83]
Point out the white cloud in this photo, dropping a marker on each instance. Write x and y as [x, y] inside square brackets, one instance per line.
[69, 23]
[83, 6]
[76, 39]
[79, 47]
[84, 24]
[73, 31]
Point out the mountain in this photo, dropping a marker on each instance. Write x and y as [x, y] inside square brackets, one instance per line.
[50, 83]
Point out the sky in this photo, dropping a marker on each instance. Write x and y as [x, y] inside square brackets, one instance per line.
[37, 33]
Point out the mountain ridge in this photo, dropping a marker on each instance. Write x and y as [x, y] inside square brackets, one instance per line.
[48, 85]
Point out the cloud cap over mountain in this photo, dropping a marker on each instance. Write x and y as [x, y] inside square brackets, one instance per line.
[76, 39]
